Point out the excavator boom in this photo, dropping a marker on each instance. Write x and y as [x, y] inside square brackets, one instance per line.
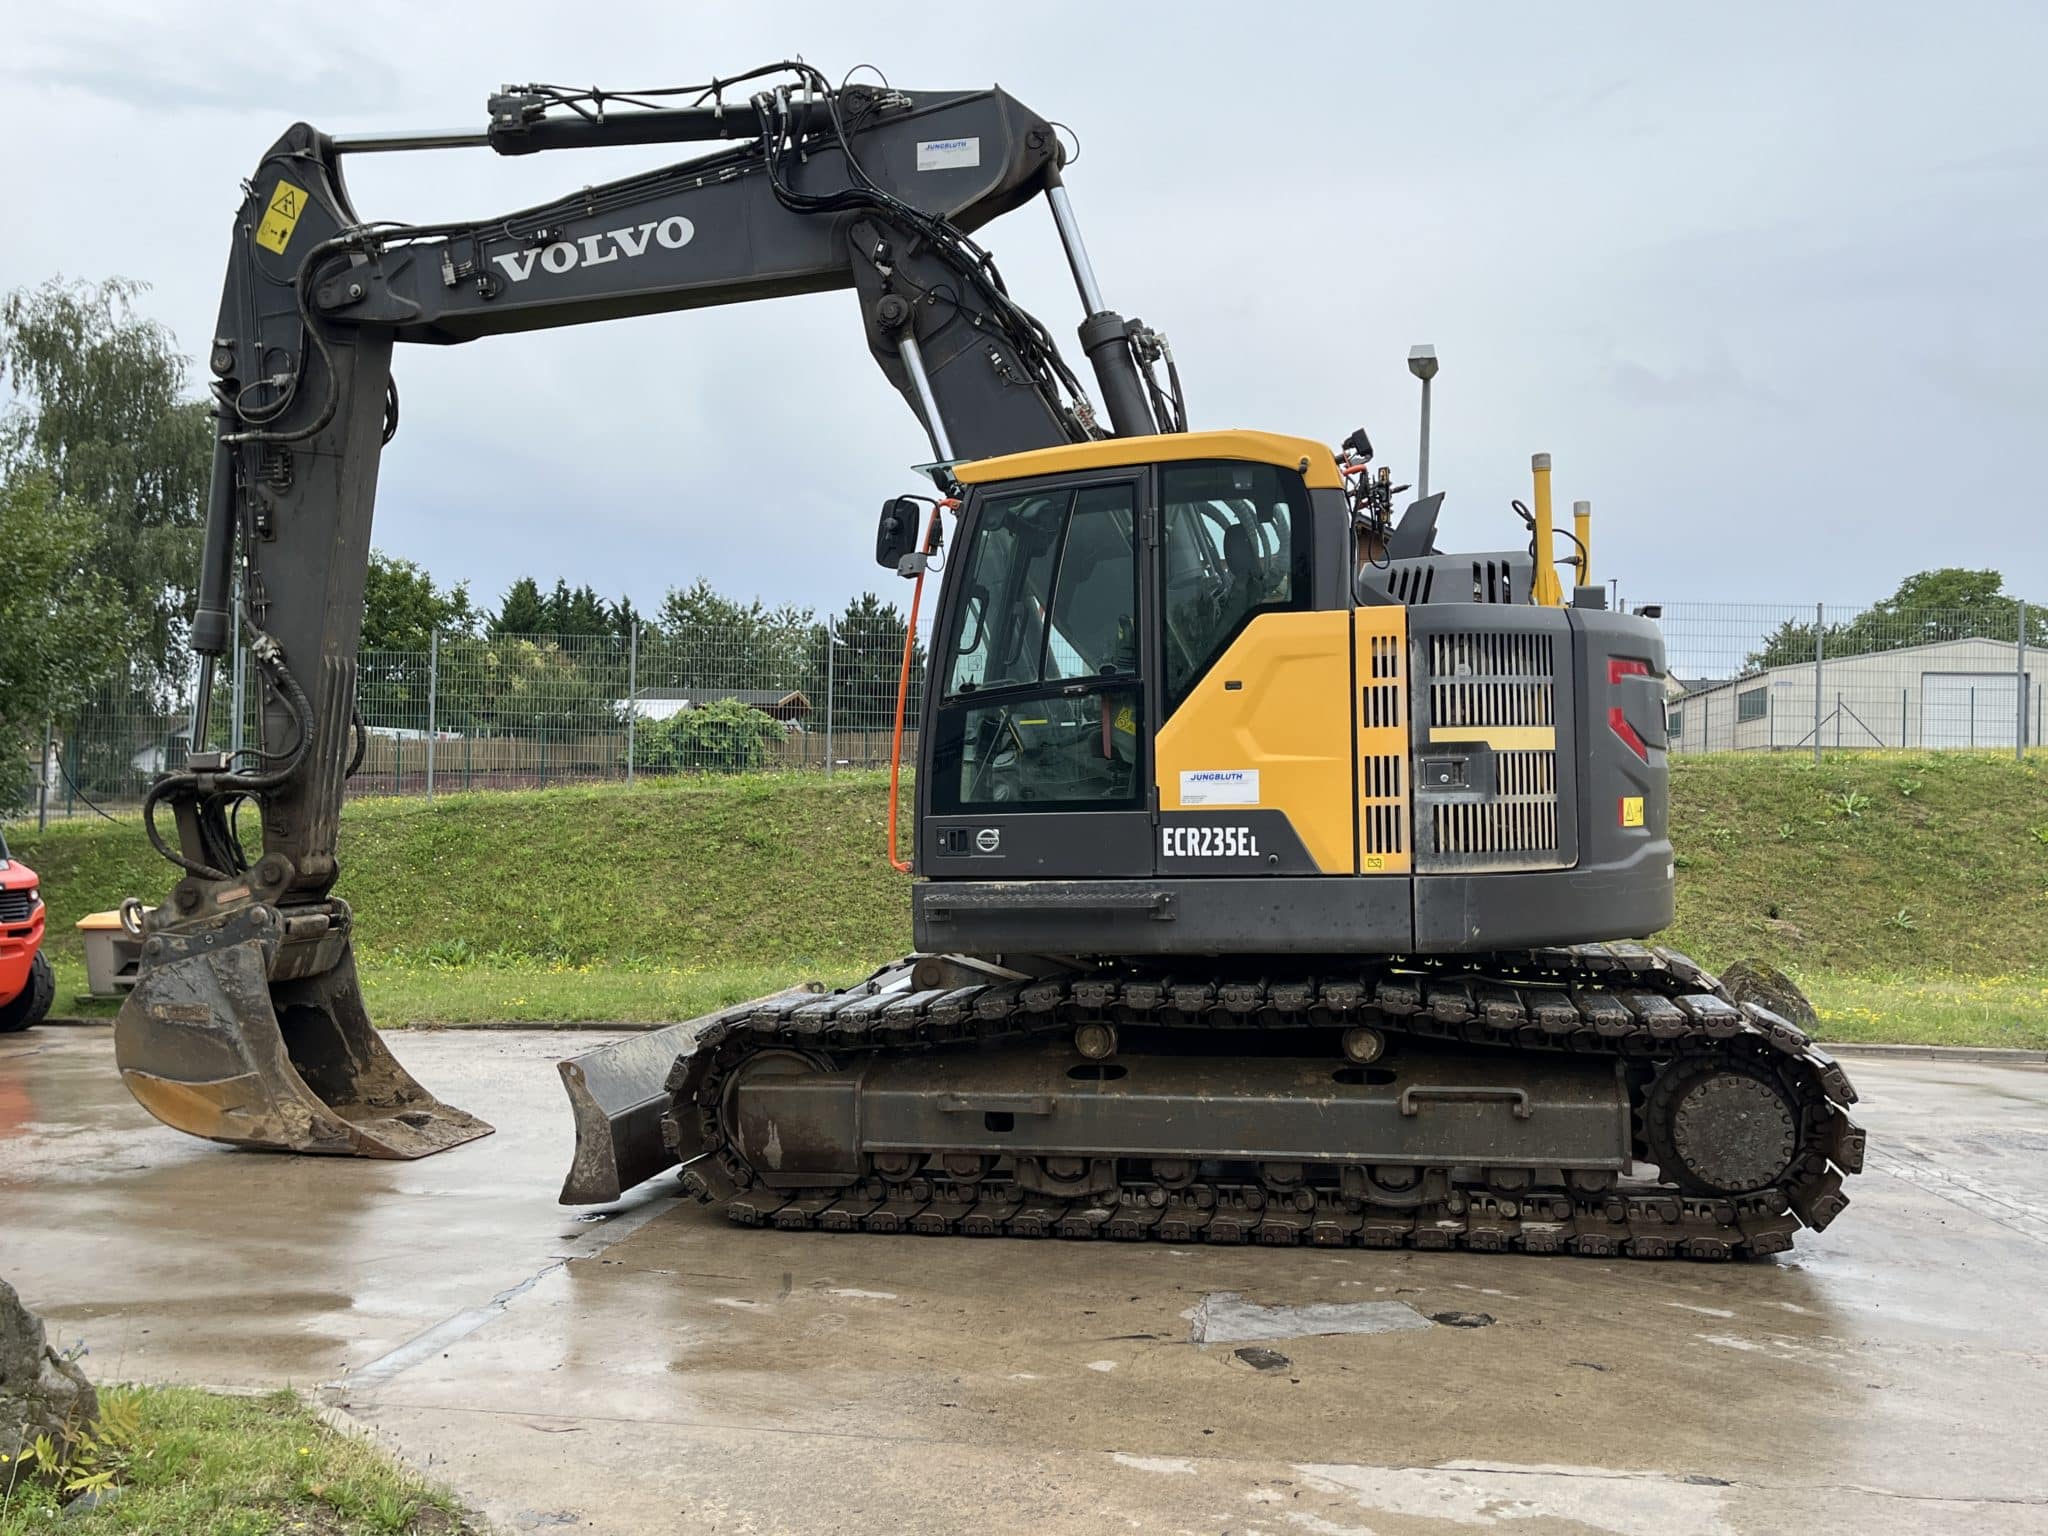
[247, 1025]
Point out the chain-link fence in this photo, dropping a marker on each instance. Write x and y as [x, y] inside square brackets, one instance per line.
[525, 711]
[1756, 678]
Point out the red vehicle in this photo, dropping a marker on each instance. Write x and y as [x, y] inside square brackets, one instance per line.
[26, 983]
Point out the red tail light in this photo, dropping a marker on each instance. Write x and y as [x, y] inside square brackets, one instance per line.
[1618, 723]
[1619, 667]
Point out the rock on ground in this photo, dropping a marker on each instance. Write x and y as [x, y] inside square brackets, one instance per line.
[1752, 981]
[40, 1393]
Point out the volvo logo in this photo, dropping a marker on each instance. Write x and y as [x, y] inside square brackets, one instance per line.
[595, 250]
[989, 839]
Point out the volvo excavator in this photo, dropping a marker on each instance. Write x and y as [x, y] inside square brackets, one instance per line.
[1282, 878]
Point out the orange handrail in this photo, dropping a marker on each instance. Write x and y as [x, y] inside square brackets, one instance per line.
[903, 866]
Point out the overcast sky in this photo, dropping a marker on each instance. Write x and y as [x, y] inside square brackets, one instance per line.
[1766, 280]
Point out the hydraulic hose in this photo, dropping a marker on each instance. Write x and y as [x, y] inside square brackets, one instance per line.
[222, 785]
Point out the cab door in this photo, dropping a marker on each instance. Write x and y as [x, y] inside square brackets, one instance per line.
[1038, 758]
[1255, 747]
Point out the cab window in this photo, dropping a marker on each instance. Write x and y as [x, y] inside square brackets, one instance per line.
[1236, 545]
[1041, 702]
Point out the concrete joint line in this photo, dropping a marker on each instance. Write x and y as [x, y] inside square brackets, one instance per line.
[448, 1331]
[461, 1325]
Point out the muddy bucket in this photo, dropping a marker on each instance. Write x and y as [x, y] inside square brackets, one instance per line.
[251, 1031]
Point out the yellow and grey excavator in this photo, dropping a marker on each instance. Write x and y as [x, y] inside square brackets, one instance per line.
[1283, 877]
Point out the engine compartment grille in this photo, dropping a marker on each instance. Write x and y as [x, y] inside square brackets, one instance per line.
[16, 906]
[1381, 672]
[1491, 680]
[1490, 709]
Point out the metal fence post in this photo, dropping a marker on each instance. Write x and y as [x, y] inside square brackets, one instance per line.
[1820, 647]
[43, 777]
[831, 645]
[238, 681]
[632, 694]
[2019, 739]
[433, 684]
[237, 702]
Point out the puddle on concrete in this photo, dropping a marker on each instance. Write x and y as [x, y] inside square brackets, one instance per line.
[1225, 1317]
[1259, 1358]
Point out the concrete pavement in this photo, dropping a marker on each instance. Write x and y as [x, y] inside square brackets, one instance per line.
[660, 1370]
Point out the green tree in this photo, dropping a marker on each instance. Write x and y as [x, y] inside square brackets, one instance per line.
[1947, 604]
[709, 642]
[523, 612]
[63, 620]
[724, 736]
[508, 685]
[100, 410]
[866, 666]
[580, 613]
[624, 618]
[403, 607]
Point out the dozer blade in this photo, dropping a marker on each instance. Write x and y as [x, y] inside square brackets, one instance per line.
[237, 1034]
[618, 1094]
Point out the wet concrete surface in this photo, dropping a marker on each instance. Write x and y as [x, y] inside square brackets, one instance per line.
[661, 1371]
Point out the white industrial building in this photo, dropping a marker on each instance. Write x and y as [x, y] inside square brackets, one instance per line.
[1945, 694]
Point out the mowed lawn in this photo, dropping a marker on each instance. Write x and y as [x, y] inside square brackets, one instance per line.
[1908, 894]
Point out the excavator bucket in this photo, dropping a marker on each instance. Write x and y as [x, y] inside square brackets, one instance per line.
[216, 1043]
[617, 1095]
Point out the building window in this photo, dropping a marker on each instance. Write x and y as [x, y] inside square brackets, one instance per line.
[1674, 723]
[1753, 704]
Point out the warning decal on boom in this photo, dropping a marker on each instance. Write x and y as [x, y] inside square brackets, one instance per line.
[287, 202]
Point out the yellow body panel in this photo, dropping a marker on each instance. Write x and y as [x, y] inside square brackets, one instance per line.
[1386, 843]
[1501, 738]
[1288, 718]
[1318, 465]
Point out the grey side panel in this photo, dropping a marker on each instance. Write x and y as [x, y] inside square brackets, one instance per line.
[1028, 845]
[1621, 885]
[1628, 899]
[1610, 769]
[1248, 842]
[1479, 670]
[1330, 516]
[1499, 576]
[1214, 915]
[1421, 1108]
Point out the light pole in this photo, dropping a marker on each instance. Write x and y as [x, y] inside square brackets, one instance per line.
[1422, 363]
[832, 644]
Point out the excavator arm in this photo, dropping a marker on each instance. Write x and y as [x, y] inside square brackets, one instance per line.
[247, 1024]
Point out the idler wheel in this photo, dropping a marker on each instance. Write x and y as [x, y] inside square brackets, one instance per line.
[1721, 1128]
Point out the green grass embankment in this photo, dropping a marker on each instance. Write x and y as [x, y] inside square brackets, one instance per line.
[1909, 895]
[180, 1460]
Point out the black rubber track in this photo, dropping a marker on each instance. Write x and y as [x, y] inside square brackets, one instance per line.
[1652, 1007]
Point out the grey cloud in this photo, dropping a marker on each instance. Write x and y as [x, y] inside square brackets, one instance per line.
[1631, 232]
